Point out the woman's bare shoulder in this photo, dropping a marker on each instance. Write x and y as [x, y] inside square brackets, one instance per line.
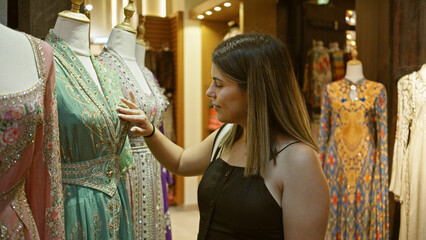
[298, 154]
[295, 162]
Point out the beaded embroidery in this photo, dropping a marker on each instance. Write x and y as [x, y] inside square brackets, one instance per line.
[149, 221]
[94, 152]
[22, 115]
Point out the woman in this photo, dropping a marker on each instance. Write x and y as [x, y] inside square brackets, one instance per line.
[265, 180]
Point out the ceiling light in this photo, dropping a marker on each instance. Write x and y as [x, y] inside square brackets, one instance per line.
[227, 4]
[209, 13]
[348, 36]
[201, 16]
[89, 7]
[217, 9]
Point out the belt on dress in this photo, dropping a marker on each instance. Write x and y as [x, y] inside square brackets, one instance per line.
[102, 173]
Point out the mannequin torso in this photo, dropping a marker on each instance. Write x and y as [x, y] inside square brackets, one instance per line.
[140, 54]
[14, 59]
[123, 43]
[76, 35]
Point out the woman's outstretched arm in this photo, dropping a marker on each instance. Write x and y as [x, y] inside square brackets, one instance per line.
[187, 162]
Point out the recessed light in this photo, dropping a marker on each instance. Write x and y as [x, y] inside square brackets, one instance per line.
[227, 4]
[89, 7]
[201, 16]
[217, 9]
[209, 12]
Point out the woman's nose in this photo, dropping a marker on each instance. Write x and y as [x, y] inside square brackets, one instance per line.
[210, 91]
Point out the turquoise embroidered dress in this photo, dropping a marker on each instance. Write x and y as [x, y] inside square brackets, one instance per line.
[94, 154]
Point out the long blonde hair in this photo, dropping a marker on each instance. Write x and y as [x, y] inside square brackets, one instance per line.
[260, 64]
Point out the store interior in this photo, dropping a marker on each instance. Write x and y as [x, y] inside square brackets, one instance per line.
[180, 36]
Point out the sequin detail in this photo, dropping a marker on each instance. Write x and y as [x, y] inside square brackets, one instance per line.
[29, 137]
[144, 180]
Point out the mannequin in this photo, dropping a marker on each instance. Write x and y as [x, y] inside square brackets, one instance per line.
[336, 61]
[13, 59]
[354, 153]
[334, 46]
[319, 45]
[354, 68]
[233, 30]
[144, 179]
[94, 146]
[74, 30]
[31, 205]
[123, 43]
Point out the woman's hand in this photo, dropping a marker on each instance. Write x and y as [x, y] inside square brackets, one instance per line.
[135, 115]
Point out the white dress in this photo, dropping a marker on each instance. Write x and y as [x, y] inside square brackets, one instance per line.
[408, 179]
[150, 221]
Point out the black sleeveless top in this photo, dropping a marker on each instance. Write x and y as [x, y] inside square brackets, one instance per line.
[236, 207]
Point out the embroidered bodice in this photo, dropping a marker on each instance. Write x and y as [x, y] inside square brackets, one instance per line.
[154, 104]
[30, 176]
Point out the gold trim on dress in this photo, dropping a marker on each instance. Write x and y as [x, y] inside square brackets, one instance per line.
[102, 174]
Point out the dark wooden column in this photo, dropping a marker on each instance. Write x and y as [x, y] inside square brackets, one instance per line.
[408, 54]
[373, 45]
[36, 17]
[391, 39]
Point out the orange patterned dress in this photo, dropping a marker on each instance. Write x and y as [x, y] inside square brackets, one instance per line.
[353, 151]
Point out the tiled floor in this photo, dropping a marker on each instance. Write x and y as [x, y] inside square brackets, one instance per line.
[184, 223]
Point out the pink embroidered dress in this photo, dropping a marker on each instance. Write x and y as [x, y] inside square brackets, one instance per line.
[31, 205]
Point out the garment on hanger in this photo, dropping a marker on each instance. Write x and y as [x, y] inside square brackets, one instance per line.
[31, 200]
[337, 64]
[353, 150]
[317, 75]
[169, 122]
[165, 70]
[144, 181]
[409, 158]
[94, 151]
[151, 60]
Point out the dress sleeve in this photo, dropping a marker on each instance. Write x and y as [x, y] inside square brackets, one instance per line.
[325, 125]
[44, 183]
[381, 190]
[404, 117]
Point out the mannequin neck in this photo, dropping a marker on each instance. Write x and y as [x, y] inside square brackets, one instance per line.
[422, 71]
[123, 43]
[140, 54]
[354, 72]
[74, 33]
